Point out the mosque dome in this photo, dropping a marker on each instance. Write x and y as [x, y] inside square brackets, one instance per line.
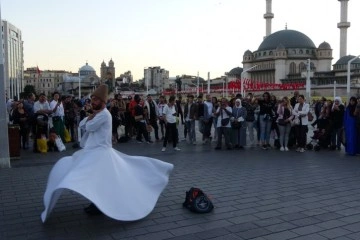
[288, 38]
[324, 45]
[235, 71]
[87, 68]
[345, 59]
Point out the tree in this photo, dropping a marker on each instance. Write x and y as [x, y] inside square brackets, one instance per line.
[27, 90]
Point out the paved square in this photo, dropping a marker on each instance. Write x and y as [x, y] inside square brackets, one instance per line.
[258, 194]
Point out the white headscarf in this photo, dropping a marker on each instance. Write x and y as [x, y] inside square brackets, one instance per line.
[239, 101]
[336, 99]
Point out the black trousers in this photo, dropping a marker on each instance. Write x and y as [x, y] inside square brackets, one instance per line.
[300, 132]
[171, 130]
[207, 128]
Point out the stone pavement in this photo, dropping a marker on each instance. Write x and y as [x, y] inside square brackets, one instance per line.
[258, 194]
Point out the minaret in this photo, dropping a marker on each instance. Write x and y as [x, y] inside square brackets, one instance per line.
[343, 26]
[268, 16]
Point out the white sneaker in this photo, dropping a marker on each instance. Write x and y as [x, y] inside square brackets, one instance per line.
[163, 149]
[286, 149]
[298, 149]
[302, 150]
[194, 143]
[177, 149]
[282, 149]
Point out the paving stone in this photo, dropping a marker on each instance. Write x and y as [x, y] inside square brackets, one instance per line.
[335, 232]
[258, 196]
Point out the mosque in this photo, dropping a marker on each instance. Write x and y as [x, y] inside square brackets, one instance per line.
[283, 57]
[86, 77]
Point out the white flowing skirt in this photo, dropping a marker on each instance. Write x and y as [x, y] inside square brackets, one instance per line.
[123, 187]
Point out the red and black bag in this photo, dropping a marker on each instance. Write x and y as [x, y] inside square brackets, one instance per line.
[197, 201]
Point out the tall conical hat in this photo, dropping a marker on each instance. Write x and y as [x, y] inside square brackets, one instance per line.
[101, 92]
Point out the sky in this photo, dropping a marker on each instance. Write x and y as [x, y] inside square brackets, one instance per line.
[181, 36]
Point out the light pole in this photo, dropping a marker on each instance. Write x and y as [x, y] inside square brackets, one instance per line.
[4, 137]
[348, 77]
[242, 79]
[197, 85]
[79, 86]
[308, 83]
[334, 89]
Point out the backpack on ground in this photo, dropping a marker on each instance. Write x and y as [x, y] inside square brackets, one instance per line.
[197, 201]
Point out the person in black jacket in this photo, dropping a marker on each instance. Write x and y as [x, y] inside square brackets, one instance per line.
[336, 119]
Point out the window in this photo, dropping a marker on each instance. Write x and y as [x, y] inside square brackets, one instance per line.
[292, 68]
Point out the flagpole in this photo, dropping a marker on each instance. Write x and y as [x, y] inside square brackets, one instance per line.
[208, 83]
[4, 137]
[197, 85]
[79, 86]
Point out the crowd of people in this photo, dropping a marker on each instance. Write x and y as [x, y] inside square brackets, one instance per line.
[242, 121]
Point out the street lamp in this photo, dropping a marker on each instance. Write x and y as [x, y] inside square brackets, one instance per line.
[79, 86]
[348, 77]
[308, 83]
[242, 78]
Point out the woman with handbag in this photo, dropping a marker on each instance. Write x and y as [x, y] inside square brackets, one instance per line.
[300, 112]
[283, 121]
[224, 112]
[238, 125]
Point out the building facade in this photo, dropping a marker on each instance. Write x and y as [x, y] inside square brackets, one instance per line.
[13, 59]
[46, 81]
[156, 78]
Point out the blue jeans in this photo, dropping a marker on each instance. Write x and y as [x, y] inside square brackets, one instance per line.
[190, 127]
[284, 134]
[265, 129]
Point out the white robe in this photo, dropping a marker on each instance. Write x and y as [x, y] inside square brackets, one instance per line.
[123, 187]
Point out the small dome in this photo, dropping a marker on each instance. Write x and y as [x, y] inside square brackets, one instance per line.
[345, 59]
[111, 61]
[288, 38]
[236, 71]
[248, 52]
[87, 68]
[324, 45]
[103, 64]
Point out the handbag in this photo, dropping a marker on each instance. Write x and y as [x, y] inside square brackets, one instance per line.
[296, 121]
[120, 130]
[59, 144]
[67, 136]
[236, 125]
[42, 144]
[224, 121]
[138, 118]
[148, 128]
[281, 122]
[310, 116]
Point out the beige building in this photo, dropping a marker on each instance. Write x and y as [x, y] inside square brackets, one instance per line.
[46, 81]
